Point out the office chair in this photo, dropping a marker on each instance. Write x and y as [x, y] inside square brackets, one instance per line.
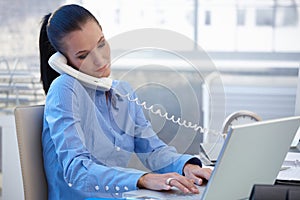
[29, 124]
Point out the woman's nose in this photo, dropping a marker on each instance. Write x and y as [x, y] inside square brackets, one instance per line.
[97, 61]
[99, 57]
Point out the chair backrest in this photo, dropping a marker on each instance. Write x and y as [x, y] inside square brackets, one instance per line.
[29, 124]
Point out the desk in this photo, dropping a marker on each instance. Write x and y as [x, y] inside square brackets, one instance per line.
[157, 195]
[172, 194]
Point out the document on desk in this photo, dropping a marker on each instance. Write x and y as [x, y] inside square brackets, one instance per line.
[290, 170]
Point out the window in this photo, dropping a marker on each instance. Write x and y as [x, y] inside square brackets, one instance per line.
[286, 16]
[207, 18]
[264, 17]
[241, 17]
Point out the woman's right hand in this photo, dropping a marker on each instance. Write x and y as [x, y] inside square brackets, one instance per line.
[160, 182]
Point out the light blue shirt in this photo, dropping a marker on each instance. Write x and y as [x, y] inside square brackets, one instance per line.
[88, 140]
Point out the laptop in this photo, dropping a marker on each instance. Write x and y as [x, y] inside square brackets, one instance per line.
[297, 111]
[251, 154]
[211, 150]
[296, 139]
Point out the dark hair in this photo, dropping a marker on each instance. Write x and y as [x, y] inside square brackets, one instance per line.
[54, 27]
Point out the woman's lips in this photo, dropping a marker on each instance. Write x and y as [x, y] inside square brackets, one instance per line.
[102, 68]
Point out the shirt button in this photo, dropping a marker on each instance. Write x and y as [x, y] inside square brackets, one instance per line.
[118, 148]
[70, 184]
[117, 188]
[126, 188]
[97, 187]
[106, 188]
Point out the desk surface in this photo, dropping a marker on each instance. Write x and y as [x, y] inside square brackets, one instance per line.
[144, 194]
[155, 195]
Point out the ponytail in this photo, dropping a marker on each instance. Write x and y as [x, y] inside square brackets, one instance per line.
[46, 50]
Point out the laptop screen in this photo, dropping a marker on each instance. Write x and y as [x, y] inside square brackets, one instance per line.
[252, 154]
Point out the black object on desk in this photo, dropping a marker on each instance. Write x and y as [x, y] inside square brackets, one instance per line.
[295, 149]
[275, 192]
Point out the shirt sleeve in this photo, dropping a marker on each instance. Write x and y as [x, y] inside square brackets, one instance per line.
[80, 171]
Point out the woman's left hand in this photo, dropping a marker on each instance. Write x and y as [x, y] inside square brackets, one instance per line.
[197, 173]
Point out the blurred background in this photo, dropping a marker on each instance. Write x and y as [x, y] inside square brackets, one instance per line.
[253, 45]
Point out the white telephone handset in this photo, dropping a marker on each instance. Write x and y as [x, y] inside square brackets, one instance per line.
[59, 63]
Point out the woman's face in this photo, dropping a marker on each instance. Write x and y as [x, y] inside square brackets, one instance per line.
[87, 50]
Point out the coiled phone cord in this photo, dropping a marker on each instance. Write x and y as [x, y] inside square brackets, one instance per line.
[178, 121]
[166, 116]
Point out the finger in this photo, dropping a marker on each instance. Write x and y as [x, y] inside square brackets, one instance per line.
[203, 173]
[185, 185]
[180, 186]
[166, 187]
[207, 173]
[197, 180]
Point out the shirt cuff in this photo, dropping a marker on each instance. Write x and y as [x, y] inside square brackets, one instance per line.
[194, 161]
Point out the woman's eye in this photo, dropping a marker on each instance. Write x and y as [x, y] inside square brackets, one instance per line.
[102, 44]
[81, 57]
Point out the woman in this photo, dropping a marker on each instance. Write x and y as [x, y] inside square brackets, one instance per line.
[89, 134]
